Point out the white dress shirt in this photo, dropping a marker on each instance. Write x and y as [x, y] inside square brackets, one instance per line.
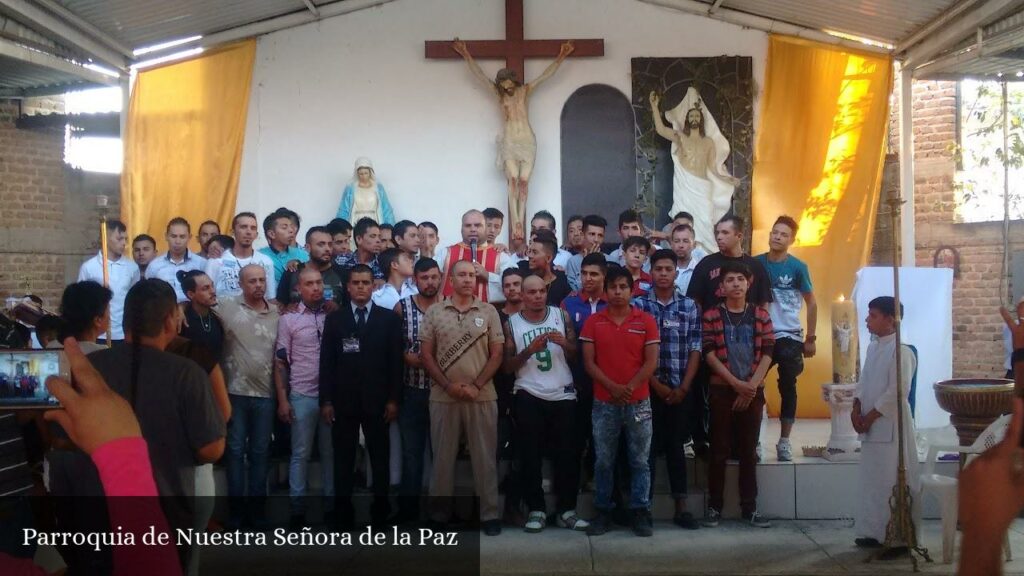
[123, 273]
[165, 269]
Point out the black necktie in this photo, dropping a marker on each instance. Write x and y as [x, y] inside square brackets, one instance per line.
[361, 319]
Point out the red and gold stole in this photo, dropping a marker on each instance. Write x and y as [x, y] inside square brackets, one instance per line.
[487, 256]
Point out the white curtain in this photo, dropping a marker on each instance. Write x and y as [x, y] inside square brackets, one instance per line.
[927, 297]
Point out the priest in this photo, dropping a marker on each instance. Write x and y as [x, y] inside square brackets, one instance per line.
[488, 262]
[875, 418]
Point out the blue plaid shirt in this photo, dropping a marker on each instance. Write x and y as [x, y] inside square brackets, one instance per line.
[347, 261]
[680, 326]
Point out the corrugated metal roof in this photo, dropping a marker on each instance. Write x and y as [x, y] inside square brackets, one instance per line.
[887, 21]
[140, 23]
[19, 75]
[1000, 54]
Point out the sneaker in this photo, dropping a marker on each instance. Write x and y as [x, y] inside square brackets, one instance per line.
[760, 453]
[686, 521]
[570, 520]
[784, 450]
[492, 527]
[757, 521]
[712, 518]
[643, 525]
[601, 524]
[688, 450]
[535, 521]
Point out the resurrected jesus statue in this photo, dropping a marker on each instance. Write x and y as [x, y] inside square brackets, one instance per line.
[517, 147]
[701, 185]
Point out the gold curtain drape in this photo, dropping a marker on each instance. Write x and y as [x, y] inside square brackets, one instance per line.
[183, 141]
[819, 158]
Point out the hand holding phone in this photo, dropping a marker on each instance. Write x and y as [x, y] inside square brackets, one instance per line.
[93, 414]
[23, 376]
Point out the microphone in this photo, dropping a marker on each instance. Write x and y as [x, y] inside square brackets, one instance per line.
[472, 248]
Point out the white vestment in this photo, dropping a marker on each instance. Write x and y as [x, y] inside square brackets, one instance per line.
[879, 458]
[706, 196]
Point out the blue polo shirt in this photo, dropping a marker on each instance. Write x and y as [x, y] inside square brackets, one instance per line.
[579, 308]
[281, 259]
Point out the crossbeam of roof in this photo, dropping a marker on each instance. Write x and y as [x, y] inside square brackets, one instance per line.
[15, 50]
[33, 15]
[762, 23]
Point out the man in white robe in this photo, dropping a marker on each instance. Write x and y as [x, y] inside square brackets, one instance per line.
[875, 418]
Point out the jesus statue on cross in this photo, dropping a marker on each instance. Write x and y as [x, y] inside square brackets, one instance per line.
[517, 147]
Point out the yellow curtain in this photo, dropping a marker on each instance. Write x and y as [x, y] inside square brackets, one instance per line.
[183, 141]
[819, 157]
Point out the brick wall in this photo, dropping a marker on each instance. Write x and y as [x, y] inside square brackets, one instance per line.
[32, 190]
[47, 223]
[977, 327]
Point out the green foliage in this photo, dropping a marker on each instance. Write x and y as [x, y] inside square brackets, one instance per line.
[981, 156]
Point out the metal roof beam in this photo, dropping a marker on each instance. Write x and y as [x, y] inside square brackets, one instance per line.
[46, 22]
[988, 48]
[312, 8]
[938, 22]
[274, 24]
[962, 27]
[19, 52]
[764, 24]
[19, 93]
[85, 26]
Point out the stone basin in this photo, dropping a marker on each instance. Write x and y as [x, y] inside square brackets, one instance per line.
[974, 403]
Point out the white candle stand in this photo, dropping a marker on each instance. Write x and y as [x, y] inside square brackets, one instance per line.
[843, 443]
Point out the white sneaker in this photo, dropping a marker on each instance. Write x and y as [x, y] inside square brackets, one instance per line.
[760, 452]
[536, 521]
[784, 450]
[688, 450]
[570, 520]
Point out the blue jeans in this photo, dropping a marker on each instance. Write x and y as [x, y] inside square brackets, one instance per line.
[306, 426]
[609, 420]
[252, 420]
[414, 425]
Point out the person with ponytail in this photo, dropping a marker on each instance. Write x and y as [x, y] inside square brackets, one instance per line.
[171, 396]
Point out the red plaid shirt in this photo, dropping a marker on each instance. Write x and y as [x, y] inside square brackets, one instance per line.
[714, 334]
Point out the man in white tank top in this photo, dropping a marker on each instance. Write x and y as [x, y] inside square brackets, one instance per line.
[539, 344]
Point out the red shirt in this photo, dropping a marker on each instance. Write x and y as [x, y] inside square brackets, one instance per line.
[642, 285]
[619, 349]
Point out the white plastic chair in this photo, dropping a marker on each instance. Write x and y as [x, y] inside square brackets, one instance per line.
[945, 487]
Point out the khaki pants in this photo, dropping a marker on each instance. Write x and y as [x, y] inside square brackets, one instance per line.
[479, 421]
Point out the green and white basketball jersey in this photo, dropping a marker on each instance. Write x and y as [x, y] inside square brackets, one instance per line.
[546, 375]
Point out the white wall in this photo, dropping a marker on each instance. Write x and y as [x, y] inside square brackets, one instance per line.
[359, 85]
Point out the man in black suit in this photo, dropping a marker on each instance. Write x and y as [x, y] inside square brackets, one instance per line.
[360, 385]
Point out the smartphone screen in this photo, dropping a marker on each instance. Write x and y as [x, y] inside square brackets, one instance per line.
[23, 375]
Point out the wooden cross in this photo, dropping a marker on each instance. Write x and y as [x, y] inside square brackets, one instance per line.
[514, 48]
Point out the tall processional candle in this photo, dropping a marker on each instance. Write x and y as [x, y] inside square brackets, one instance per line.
[845, 354]
[101, 203]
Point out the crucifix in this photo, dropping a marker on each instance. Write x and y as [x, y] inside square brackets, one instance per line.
[518, 147]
